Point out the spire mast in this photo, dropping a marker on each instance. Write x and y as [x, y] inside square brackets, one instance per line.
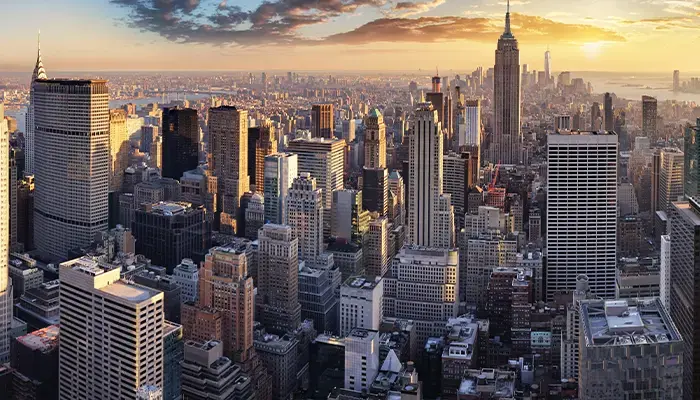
[508, 17]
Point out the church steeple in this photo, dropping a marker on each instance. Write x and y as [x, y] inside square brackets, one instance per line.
[39, 71]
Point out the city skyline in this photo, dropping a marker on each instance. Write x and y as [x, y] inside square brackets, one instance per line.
[349, 34]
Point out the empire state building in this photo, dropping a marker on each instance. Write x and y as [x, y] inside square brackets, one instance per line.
[506, 145]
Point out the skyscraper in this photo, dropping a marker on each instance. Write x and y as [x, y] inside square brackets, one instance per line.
[670, 186]
[375, 140]
[472, 132]
[430, 210]
[506, 144]
[596, 117]
[691, 163]
[228, 140]
[608, 113]
[324, 160]
[305, 216]
[71, 121]
[280, 171]
[180, 141]
[322, 120]
[127, 361]
[548, 66]
[375, 182]
[261, 143]
[226, 286]
[118, 148]
[649, 114]
[278, 270]
[29, 144]
[684, 225]
[5, 284]
[676, 80]
[581, 217]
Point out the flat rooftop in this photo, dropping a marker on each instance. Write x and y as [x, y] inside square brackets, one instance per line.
[131, 292]
[170, 208]
[361, 282]
[626, 322]
[43, 340]
[583, 133]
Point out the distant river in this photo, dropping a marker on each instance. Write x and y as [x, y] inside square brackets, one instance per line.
[633, 86]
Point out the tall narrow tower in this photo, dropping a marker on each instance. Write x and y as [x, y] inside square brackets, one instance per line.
[430, 218]
[39, 73]
[375, 182]
[5, 284]
[548, 65]
[506, 144]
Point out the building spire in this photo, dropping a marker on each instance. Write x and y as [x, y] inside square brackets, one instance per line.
[39, 71]
[507, 31]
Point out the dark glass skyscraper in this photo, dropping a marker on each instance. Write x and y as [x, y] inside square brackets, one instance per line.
[608, 113]
[180, 141]
[691, 160]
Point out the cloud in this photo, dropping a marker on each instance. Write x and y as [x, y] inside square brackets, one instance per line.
[407, 8]
[664, 23]
[277, 22]
[531, 29]
[273, 22]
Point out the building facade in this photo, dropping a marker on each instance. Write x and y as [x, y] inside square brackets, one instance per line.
[71, 170]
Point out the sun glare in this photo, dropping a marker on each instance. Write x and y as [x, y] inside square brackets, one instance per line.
[592, 49]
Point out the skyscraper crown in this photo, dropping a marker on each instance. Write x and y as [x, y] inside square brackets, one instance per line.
[39, 71]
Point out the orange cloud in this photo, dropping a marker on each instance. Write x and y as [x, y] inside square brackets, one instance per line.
[527, 28]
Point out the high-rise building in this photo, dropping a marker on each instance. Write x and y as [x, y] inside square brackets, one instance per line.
[398, 190]
[684, 225]
[627, 336]
[569, 361]
[280, 356]
[507, 139]
[278, 278]
[167, 232]
[173, 356]
[156, 153]
[375, 190]
[361, 303]
[5, 283]
[35, 364]
[665, 272]
[349, 130]
[485, 252]
[71, 129]
[261, 143]
[691, 167]
[208, 374]
[596, 117]
[348, 220]
[318, 299]
[548, 66]
[430, 216]
[324, 160]
[375, 140]
[118, 148]
[472, 131]
[200, 187]
[376, 249]
[305, 216]
[149, 133]
[423, 286]
[322, 121]
[228, 140]
[280, 171]
[226, 286]
[437, 99]
[582, 214]
[670, 187]
[114, 306]
[361, 359]
[457, 181]
[649, 116]
[608, 113]
[180, 141]
[29, 144]
[676, 80]
[254, 215]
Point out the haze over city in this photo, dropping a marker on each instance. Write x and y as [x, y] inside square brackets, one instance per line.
[392, 35]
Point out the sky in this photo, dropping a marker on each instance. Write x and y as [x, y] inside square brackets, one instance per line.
[348, 35]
